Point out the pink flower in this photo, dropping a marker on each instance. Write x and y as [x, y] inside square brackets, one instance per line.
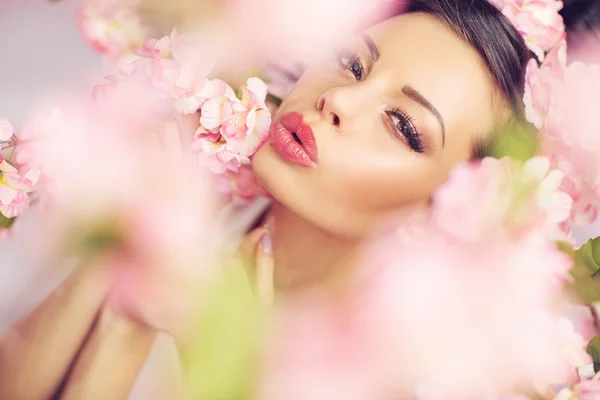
[157, 48]
[538, 21]
[245, 123]
[181, 72]
[588, 390]
[467, 319]
[541, 82]
[519, 198]
[14, 200]
[111, 27]
[214, 153]
[570, 138]
[240, 186]
[313, 352]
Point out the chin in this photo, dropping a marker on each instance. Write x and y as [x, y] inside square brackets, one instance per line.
[264, 166]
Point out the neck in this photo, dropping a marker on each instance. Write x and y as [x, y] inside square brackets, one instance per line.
[308, 258]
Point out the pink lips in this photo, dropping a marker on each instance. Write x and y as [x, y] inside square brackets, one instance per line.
[282, 137]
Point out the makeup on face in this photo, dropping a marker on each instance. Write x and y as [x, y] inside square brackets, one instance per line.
[294, 140]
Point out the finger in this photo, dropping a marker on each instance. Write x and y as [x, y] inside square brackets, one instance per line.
[247, 249]
[42, 346]
[110, 359]
[265, 270]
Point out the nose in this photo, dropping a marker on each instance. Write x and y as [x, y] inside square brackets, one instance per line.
[337, 108]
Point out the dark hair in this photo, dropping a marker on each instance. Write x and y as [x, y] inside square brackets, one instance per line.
[483, 26]
[581, 15]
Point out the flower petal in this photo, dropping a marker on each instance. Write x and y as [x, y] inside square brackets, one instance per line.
[212, 113]
[17, 207]
[536, 169]
[6, 167]
[258, 87]
[7, 194]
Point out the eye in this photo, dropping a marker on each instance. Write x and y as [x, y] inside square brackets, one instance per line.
[351, 62]
[405, 129]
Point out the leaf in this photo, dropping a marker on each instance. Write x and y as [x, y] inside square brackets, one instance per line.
[593, 349]
[6, 222]
[590, 255]
[585, 282]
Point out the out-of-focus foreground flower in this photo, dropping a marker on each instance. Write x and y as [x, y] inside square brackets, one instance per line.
[560, 101]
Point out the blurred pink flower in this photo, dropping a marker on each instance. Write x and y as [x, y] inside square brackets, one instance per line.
[214, 153]
[469, 320]
[245, 123]
[537, 20]
[588, 390]
[298, 29]
[510, 195]
[541, 82]
[129, 169]
[313, 351]
[240, 186]
[179, 69]
[111, 27]
[14, 188]
[157, 48]
[569, 138]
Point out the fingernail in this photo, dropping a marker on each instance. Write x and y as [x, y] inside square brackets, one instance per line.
[267, 246]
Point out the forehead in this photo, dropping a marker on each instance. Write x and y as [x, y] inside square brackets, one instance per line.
[422, 51]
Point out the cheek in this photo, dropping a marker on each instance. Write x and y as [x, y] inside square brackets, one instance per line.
[369, 180]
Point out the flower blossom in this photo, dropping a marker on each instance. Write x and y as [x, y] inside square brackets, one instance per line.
[472, 314]
[569, 134]
[241, 186]
[538, 21]
[244, 124]
[214, 153]
[178, 69]
[541, 82]
[586, 390]
[519, 198]
[111, 27]
[14, 200]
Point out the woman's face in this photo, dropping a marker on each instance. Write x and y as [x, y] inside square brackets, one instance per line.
[391, 115]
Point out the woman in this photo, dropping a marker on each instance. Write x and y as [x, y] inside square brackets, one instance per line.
[362, 137]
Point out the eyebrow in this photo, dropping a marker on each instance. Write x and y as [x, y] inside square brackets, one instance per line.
[418, 97]
[372, 46]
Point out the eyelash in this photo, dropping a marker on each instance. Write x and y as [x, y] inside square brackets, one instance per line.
[353, 64]
[407, 130]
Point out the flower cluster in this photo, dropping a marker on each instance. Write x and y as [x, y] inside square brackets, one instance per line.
[15, 185]
[496, 249]
[232, 128]
[559, 100]
[538, 21]
[112, 27]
